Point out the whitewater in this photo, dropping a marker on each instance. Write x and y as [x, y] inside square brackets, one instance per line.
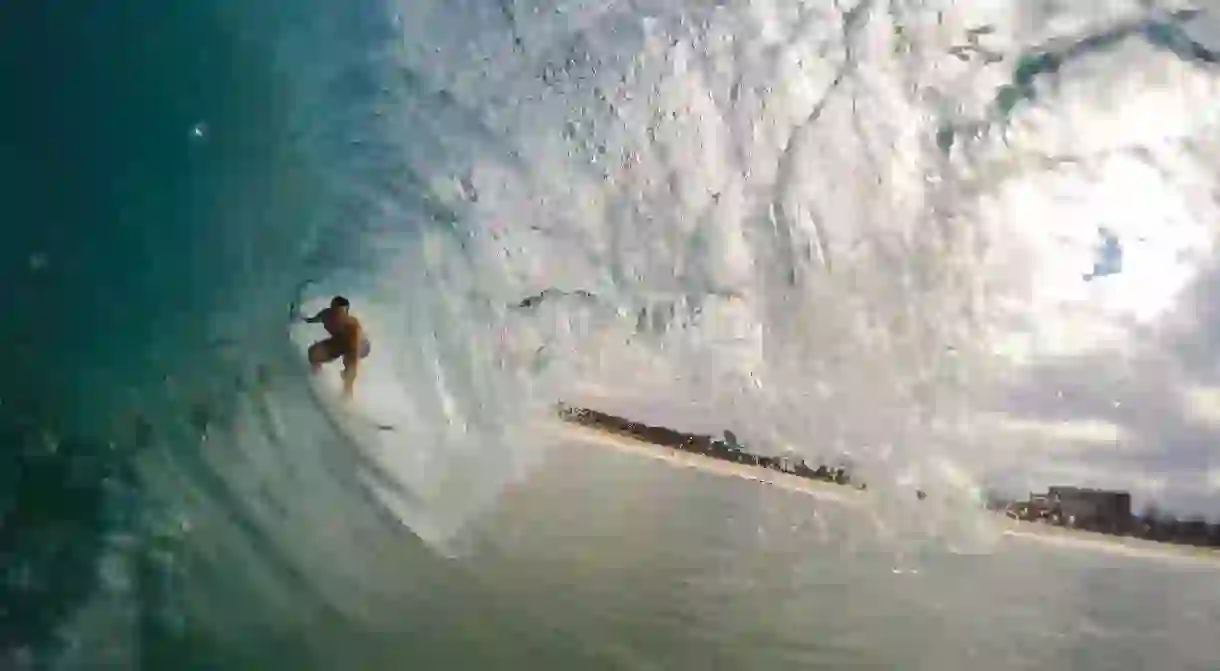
[960, 247]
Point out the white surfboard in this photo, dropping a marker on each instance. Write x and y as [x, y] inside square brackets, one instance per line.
[365, 434]
[381, 456]
[357, 418]
[369, 422]
[381, 423]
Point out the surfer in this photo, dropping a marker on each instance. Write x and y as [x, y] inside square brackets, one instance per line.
[347, 340]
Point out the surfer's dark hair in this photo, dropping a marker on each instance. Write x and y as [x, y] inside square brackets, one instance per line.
[340, 302]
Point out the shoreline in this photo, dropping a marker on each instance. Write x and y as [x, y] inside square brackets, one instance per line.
[682, 459]
[629, 442]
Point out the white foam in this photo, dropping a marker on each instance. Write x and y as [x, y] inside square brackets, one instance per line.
[777, 166]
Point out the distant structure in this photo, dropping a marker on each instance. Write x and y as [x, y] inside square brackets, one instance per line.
[1093, 508]
[1080, 507]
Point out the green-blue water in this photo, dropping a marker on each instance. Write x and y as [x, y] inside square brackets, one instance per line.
[175, 177]
[125, 230]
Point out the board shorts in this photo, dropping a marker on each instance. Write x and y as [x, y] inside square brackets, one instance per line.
[334, 348]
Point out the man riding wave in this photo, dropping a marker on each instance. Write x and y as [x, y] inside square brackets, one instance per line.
[347, 341]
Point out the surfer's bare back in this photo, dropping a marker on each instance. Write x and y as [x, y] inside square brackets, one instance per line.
[346, 341]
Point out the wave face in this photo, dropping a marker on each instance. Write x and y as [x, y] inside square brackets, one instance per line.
[954, 246]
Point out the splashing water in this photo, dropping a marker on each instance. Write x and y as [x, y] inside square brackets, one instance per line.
[941, 242]
[800, 221]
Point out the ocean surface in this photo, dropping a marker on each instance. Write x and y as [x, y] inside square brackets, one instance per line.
[957, 246]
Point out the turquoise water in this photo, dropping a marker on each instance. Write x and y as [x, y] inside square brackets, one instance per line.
[779, 218]
[126, 232]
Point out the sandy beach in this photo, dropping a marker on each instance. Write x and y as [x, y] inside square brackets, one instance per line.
[587, 436]
[1119, 545]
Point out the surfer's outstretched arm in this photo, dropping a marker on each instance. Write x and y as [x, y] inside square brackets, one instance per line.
[316, 318]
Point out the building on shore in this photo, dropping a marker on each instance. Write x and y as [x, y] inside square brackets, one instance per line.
[1090, 508]
[1081, 507]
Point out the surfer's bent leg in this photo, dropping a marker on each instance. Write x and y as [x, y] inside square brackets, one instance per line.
[322, 352]
[350, 366]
